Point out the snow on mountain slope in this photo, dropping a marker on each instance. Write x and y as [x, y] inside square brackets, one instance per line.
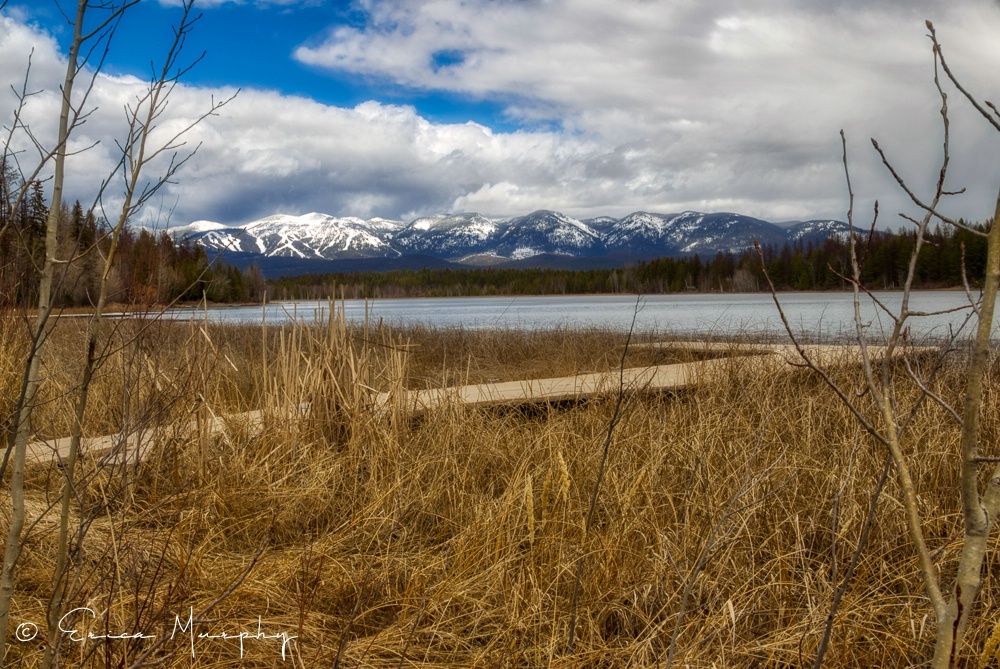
[307, 236]
[447, 235]
[711, 233]
[642, 231]
[546, 232]
[195, 228]
[484, 240]
[689, 232]
[817, 231]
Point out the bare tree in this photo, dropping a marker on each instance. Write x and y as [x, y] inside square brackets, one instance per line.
[138, 148]
[952, 599]
[18, 443]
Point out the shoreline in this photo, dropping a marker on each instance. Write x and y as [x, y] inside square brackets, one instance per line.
[123, 308]
[234, 305]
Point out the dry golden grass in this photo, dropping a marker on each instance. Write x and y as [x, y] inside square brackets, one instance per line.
[455, 540]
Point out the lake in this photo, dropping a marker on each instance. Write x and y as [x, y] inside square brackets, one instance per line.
[827, 315]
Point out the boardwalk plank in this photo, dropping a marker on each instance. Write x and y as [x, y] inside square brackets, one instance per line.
[656, 378]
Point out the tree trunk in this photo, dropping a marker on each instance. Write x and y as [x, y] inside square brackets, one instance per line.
[32, 375]
[978, 517]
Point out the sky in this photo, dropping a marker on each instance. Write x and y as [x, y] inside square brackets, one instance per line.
[403, 108]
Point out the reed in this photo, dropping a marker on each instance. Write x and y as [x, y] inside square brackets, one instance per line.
[727, 514]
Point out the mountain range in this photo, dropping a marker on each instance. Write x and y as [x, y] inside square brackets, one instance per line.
[284, 244]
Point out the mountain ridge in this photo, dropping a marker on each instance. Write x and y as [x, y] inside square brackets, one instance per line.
[472, 239]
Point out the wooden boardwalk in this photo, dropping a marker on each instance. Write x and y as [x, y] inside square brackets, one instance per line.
[128, 445]
[821, 354]
[659, 378]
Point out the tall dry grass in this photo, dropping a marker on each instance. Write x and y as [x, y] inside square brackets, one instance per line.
[727, 512]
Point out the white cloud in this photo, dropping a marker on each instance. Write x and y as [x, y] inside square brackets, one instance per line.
[266, 152]
[723, 101]
[660, 106]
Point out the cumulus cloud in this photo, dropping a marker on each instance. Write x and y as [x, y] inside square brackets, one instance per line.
[661, 106]
[266, 152]
[693, 103]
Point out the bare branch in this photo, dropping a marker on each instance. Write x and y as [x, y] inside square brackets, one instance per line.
[929, 208]
[965, 283]
[929, 393]
[621, 399]
[808, 361]
[954, 80]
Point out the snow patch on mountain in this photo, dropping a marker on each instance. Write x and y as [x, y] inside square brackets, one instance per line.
[222, 240]
[196, 227]
[818, 229]
[522, 252]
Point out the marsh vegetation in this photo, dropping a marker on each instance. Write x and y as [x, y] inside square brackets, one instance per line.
[727, 516]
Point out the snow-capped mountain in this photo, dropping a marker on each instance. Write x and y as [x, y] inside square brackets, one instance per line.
[545, 232]
[477, 239]
[817, 231]
[690, 232]
[450, 236]
[308, 236]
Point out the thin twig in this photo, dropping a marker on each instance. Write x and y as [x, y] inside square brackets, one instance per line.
[616, 416]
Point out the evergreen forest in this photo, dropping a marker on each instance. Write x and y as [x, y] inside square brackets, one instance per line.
[150, 268]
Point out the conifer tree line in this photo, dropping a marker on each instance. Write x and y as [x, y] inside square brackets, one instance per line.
[791, 266]
[149, 269]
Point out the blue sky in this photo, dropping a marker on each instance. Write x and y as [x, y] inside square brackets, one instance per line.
[400, 108]
[254, 46]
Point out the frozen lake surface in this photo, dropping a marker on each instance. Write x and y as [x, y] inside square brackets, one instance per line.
[825, 315]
